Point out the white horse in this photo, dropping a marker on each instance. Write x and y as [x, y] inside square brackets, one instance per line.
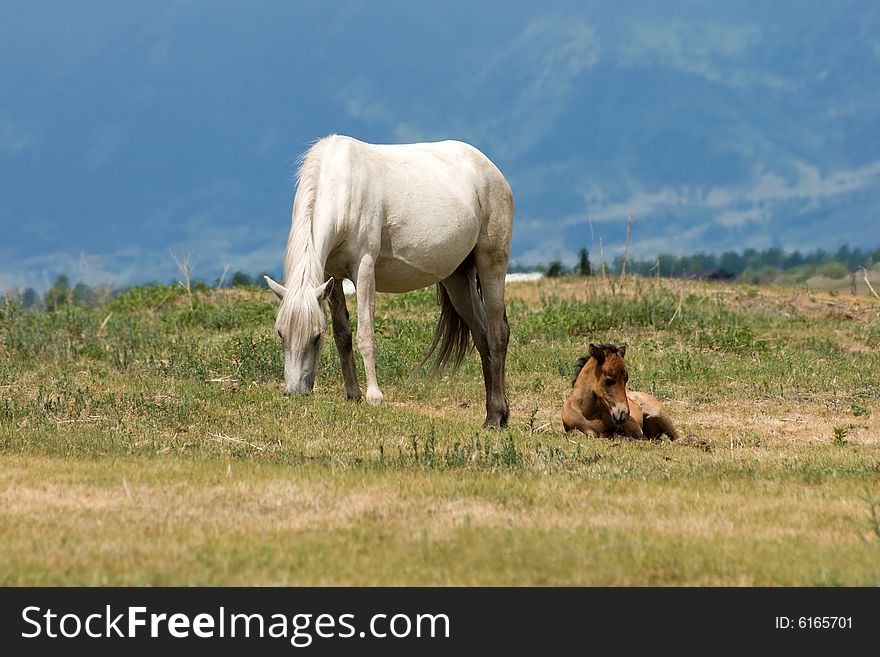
[395, 218]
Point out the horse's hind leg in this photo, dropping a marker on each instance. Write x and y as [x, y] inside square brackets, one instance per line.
[342, 338]
[491, 262]
[461, 286]
[657, 425]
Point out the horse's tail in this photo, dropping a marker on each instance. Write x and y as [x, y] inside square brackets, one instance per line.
[452, 335]
[580, 365]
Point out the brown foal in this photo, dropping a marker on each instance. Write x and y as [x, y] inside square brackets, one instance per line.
[601, 404]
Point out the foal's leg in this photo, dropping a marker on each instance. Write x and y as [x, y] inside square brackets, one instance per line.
[657, 421]
[574, 420]
[342, 338]
[631, 428]
[660, 424]
[492, 270]
[366, 337]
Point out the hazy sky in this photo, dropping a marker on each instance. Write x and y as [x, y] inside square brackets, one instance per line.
[128, 129]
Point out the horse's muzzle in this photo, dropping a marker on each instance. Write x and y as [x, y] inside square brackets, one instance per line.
[620, 417]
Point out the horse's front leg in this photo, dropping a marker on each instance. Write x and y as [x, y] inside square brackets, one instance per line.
[366, 336]
[573, 420]
[342, 338]
[593, 428]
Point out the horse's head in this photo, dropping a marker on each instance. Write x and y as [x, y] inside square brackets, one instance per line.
[300, 326]
[610, 382]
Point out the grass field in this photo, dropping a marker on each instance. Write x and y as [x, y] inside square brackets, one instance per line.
[148, 442]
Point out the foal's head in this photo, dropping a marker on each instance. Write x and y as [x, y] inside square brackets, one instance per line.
[300, 325]
[609, 380]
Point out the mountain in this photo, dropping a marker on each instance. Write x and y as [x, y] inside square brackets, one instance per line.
[131, 129]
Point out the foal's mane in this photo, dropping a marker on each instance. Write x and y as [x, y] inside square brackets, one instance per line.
[583, 360]
[303, 270]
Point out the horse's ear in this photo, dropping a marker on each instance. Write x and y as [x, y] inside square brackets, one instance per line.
[622, 351]
[323, 291]
[597, 353]
[277, 288]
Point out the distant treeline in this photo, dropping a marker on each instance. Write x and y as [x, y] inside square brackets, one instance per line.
[63, 293]
[750, 266]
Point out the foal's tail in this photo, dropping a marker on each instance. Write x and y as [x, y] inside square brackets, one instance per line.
[452, 335]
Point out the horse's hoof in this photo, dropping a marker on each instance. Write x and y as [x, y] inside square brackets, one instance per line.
[374, 397]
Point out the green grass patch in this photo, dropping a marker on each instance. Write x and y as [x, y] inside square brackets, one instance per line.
[148, 441]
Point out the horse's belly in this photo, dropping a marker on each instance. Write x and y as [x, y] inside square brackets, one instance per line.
[425, 256]
[397, 276]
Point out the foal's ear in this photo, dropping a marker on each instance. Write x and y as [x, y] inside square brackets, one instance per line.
[323, 291]
[277, 288]
[621, 351]
[595, 352]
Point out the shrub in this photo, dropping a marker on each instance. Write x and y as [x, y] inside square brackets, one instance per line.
[832, 270]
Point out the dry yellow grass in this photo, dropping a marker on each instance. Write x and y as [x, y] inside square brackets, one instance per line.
[196, 523]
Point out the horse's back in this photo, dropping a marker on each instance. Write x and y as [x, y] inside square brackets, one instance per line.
[437, 170]
[649, 404]
[424, 205]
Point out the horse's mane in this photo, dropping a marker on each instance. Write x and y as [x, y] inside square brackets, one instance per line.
[583, 360]
[303, 270]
